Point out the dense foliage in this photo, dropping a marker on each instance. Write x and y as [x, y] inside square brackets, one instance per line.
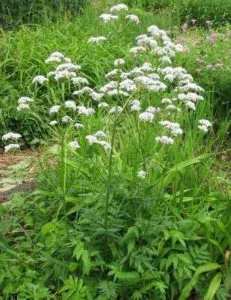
[216, 12]
[14, 13]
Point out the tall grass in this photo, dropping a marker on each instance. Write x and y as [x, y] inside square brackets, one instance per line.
[218, 12]
[14, 13]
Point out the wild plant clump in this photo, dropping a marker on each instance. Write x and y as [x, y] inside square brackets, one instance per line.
[112, 216]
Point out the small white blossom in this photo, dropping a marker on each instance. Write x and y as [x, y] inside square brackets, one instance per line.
[133, 18]
[96, 96]
[105, 145]
[82, 110]
[97, 40]
[23, 100]
[11, 136]
[74, 145]
[92, 139]
[23, 106]
[115, 110]
[53, 123]
[118, 7]
[206, 123]
[141, 174]
[40, 79]
[55, 57]
[119, 62]
[106, 18]
[54, 109]
[79, 80]
[66, 119]
[164, 140]
[146, 116]
[11, 146]
[70, 104]
[78, 125]
[103, 105]
[100, 134]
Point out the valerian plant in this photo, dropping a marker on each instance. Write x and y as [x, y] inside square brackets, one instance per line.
[123, 208]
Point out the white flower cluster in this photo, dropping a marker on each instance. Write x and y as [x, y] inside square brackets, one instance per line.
[24, 103]
[155, 93]
[40, 79]
[97, 40]
[99, 138]
[108, 17]
[204, 125]
[11, 136]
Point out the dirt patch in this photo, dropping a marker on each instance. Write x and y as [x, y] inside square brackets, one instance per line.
[17, 173]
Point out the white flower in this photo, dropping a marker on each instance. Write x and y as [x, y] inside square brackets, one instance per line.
[63, 74]
[97, 40]
[119, 62]
[23, 100]
[105, 145]
[135, 105]
[165, 59]
[11, 146]
[174, 127]
[100, 134]
[206, 123]
[78, 125]
[103, 105]
[133, 18]
[190, 105]
[115, 110]
[84, 90]
[66, 119]
[53, 123]
[96, 96]
[54, 109]
[112, 73]
[82, 110]
[128, 85]
[74, 145]
[118, 7]
[203, 128]
[70, 104]
[164, 140]
[136, 50]
[11, 136]
[68, 67]
[79, 80]
[55, 57]
[166, 101]
[23, 106]
[106, 18]
[92, 139]
[141, 174]
[40, 79]
[153, 110]
[146, 116]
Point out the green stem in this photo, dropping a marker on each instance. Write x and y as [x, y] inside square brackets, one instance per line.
[109, 177]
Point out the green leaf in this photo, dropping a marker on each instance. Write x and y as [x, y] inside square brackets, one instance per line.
[202, 269]
[213, 287]
[127, 276]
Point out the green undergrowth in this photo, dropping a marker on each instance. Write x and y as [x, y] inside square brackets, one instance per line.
[14, 13]
[216, 12]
